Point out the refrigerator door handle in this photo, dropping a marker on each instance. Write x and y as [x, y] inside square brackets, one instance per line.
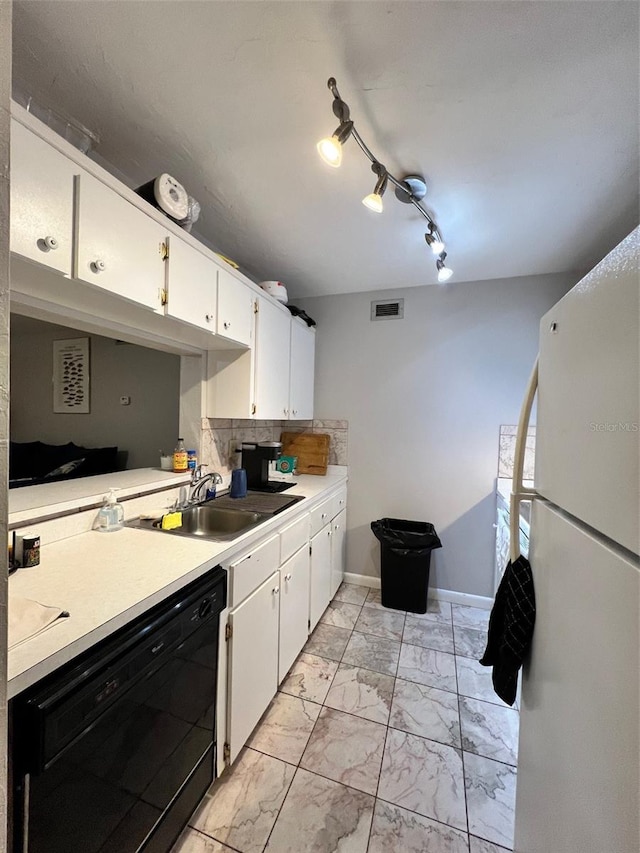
[520, 492]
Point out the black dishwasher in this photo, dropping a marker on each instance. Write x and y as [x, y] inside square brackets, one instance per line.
[112, 752]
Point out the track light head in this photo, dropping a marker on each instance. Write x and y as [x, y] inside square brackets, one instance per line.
[330, 148]
[374, 200]
[444, 273]
[434, 241]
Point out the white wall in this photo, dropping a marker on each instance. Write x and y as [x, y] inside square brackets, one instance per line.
[425, 397]
[150, 377]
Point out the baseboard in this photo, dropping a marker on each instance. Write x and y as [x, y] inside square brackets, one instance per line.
[362, 580]
[452, 596]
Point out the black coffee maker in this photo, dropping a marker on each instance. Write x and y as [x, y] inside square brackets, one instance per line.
[255, 461]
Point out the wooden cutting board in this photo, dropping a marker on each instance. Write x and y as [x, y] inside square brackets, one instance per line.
[312, 450]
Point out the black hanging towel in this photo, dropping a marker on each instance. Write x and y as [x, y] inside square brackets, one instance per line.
[511, 626]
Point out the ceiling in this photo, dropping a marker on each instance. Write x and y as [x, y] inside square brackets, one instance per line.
[523, 117]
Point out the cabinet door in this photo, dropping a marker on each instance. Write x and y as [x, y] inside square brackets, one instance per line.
[338, 550]
[294, 609]
[303, 348]
[191, 286]
[235, 309]
[253, 661]
[41, 201]
[118, 247]
[320, 594]
[272, 361]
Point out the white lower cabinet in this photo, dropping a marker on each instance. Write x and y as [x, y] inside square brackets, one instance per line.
[320, 590]
[294, 607]
[273, 610]
[338, 550]
[253, 661]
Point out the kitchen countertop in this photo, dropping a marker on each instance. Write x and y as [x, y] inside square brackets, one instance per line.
[107, 579]
[50, 499]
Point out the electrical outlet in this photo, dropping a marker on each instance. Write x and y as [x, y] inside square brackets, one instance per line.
[125, 401]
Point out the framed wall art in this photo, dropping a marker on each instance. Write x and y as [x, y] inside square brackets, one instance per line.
[71, 376]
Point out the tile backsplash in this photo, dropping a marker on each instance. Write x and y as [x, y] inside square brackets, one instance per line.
[221, 436]
[507, 450]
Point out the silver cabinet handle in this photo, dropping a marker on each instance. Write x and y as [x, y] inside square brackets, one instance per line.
[49, 244]
[324, 515]
[287, 577]
[286, 411]
[156, 649]
[226, 325]
[208, 317]
[337, 527]
[295, 411]
[98, 265]
[275, 590]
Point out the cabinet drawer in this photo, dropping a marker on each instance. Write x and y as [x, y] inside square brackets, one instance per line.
[293, 537]
[338, 502]
[320, 516]
[248, 572]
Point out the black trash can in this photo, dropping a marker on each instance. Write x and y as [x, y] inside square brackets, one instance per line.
[405, 550]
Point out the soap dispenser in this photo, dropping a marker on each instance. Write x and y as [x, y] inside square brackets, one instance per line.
[110, 515]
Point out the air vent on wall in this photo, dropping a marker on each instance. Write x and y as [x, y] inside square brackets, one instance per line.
[383, 309]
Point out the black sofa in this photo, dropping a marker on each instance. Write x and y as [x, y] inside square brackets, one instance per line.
[34, 462]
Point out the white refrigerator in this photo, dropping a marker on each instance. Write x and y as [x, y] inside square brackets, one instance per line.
[579, 756]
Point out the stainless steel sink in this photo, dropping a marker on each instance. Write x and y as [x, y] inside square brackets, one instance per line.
[212, 521]
[208, 522]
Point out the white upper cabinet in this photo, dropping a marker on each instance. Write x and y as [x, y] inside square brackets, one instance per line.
[303, 349]
[191, 286]
[119, 248]
[272, 350]
[235, 309]
[41, 201]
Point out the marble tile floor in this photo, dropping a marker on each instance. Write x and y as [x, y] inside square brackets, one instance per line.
[385, 737]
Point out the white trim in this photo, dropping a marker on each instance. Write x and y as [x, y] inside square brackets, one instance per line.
[465, 598]
[454, 597]
[362, 580]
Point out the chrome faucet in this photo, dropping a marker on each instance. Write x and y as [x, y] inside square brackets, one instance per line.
[200, 481]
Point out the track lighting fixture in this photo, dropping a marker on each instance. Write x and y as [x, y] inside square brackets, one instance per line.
[411, 189]
[374, 200]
